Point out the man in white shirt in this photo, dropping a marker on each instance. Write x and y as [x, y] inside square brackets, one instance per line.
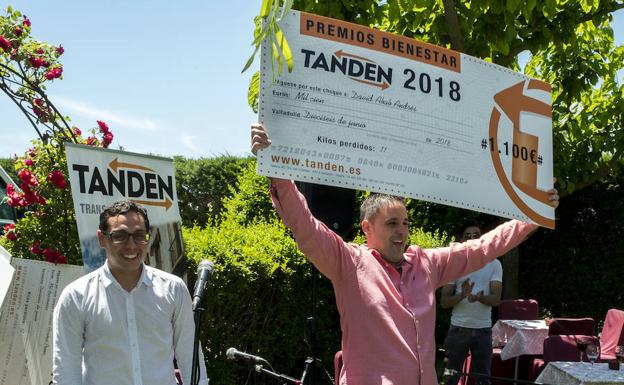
[472, 298]
[125, 322]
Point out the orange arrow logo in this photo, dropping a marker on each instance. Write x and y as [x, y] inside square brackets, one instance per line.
[512, 101]
[114, 165]
[167, 203]
[383, 85]
[341, 53]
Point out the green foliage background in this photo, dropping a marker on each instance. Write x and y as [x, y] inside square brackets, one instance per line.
[203, 183]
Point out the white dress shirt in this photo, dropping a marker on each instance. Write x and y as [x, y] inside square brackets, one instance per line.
[106, 335]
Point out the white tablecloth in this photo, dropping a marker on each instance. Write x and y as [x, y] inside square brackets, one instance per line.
[518, 337]
[580, 373]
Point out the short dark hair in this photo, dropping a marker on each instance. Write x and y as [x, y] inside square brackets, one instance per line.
[119, 208]
[470, 223]
[371, 205]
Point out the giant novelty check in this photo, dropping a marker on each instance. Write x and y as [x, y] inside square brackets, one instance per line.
[375, 111]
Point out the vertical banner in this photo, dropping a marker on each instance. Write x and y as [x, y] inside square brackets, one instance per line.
[371, 110]
[100, 177]
[26, 320]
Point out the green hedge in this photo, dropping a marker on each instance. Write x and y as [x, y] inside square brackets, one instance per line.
[259, 299]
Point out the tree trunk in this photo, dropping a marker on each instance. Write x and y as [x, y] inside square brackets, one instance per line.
[511, 264]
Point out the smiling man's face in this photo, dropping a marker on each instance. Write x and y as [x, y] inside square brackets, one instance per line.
[387, 231]
[128, 256]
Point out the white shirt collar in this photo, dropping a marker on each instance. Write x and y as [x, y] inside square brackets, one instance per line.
[108, 278]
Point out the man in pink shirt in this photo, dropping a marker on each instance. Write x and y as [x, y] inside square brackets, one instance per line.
[385, 290]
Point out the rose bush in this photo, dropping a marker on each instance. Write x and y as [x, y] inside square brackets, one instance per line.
[46, 229]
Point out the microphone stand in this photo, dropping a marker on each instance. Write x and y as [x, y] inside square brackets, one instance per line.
[312, 363]
[283, 377]
[195, 366]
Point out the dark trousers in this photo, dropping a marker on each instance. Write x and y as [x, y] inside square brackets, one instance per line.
[457, 344]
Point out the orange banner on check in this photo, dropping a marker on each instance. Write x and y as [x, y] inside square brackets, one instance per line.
[360, 36]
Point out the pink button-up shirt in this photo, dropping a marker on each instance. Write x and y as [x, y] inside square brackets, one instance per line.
[387, 319]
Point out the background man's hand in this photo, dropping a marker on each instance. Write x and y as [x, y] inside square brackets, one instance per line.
[466, 288]
[553, 195]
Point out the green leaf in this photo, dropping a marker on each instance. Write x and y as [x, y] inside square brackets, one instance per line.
[586, 5]
[265, 8]
[285, 49]
[251, 59]
[550, 9]
[513, 5]
[254, 91]
[527, 9]
[394, 11]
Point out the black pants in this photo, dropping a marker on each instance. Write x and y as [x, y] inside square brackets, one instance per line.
[458, 342]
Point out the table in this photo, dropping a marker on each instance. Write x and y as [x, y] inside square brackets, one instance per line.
[580, 373]
[518, 337]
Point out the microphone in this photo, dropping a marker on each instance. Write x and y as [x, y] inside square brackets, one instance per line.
[232, 353]
[204, 270]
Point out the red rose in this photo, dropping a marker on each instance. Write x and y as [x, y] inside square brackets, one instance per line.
[24, 175]
[13, 196]
[28, 162]
[92, 141]
[26, 22]
[40, 51]
[36, 62]
[103, 127]
[4, 43]
[107, 139]
[17, 31]
[60, 50]
[58, 179]
[9, 231]
[13, 201]
[40, 200]
[27, 178]
[54, 73]
[51, 255]
[54, 256]
[36, 248]
[77, 131]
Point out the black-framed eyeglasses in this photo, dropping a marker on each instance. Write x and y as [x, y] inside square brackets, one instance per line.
[139, 237]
